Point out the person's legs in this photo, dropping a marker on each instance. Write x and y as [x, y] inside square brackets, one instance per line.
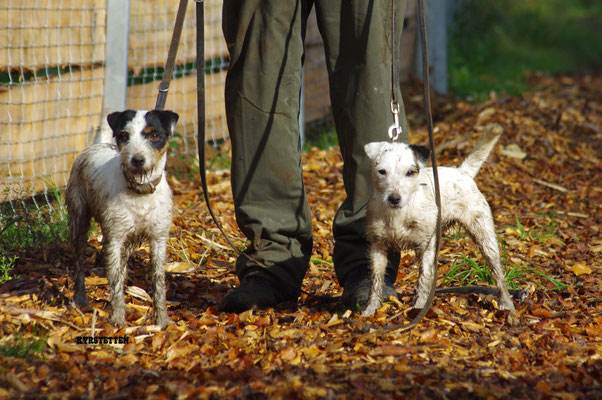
[357, 39]
[265, 42]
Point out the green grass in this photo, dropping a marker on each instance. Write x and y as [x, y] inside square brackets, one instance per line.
[542, 233]
[517, 277]
[31, 227]
[318, 262]
[25, 347]
[219, 162]
[180, 250]
[495, 44]
[6, 265]
[468, 272]
[320, 134]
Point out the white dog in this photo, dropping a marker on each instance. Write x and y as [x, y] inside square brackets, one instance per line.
[402, 212]
[120, 181]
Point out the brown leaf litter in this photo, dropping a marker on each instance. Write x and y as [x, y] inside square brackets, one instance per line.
[543, 184]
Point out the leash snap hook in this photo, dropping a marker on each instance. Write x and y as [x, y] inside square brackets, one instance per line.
[395, 127]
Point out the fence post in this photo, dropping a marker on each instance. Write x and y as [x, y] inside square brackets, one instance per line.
[116, 56]
[436, 26]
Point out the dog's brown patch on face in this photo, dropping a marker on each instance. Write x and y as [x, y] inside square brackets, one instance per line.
[148, 130]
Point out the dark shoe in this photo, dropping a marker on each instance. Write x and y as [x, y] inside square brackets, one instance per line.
[254, 291]
[357, 291]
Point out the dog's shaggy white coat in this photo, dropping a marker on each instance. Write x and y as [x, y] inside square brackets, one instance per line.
[402, 212]
[122, 185]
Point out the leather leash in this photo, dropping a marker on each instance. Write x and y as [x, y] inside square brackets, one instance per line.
[171, 56]
[200, 69]
[429, 120]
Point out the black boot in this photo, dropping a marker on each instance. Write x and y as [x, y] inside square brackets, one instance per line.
[254, 291]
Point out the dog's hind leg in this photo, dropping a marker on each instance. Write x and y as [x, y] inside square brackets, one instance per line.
[378, 266]
[79, 223]
[157, 261]
[428, 273]
[482, 231]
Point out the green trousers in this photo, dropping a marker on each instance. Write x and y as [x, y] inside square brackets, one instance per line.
[265, 39]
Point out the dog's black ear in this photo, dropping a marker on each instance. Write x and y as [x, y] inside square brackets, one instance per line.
[168, 119]
[118, 119]
[422, 153]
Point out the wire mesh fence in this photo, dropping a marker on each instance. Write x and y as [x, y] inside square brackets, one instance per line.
[50, 93]
[52, 77]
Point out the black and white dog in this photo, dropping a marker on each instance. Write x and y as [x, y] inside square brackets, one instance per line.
[120, 181]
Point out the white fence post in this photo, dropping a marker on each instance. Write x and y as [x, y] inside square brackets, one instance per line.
[116, 65]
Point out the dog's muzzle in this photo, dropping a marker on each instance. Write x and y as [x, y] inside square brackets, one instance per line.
[137, 162]
[136, 186]
[394, 199]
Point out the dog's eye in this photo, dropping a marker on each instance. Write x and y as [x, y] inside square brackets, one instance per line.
[411, 172]
[382, 172]
[153, 137]
[123, 136]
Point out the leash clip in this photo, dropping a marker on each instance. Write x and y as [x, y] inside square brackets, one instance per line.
[395, 127]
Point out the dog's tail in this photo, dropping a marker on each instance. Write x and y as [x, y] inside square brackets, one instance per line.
[489, 137]
[104, 134]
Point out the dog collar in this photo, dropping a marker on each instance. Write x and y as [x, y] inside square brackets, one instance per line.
[144, 188]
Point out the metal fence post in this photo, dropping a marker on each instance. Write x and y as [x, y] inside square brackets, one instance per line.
[116, 64]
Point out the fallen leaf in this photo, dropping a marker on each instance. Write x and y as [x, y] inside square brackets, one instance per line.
[594, 330]
[581, 269]
[429, 336]
[288, 354]
[138, 293]
[513, 151]
[179, 267]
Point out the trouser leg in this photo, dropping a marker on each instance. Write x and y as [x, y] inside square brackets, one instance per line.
[357, 39]
[265, 42]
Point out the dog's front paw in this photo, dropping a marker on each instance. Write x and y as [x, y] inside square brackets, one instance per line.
[420, 303]
[370, 309]
[118, 318]
[512, 319]
[163, 321]
[507, 305]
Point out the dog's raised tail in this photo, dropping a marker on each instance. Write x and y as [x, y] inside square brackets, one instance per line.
[104, 134]
[489, 137]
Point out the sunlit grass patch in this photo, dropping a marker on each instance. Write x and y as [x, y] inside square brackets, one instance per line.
[31, 227]
[21, 345]
[495, 45]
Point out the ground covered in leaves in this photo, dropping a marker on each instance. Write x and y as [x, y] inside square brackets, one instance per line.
[543, 184]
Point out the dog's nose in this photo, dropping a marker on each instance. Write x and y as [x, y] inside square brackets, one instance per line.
[394, 199]
[137, 161]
